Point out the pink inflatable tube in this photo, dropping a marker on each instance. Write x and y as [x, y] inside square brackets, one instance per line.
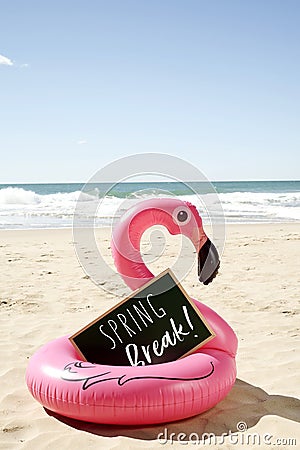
[135, 395]
[144, 394]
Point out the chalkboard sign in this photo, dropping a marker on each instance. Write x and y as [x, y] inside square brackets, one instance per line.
[155, 324]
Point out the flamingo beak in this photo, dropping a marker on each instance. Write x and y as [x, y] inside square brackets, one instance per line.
[208, 262]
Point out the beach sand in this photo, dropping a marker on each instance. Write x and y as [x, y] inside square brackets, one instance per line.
[45, 294]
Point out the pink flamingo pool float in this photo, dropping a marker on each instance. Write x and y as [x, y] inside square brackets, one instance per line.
[149, 394]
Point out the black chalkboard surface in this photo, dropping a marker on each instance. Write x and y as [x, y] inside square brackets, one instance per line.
[155, 324]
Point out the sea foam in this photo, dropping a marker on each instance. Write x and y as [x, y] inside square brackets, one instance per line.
[27, 208]
[18, 196]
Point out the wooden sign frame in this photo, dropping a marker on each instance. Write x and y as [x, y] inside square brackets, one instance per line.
[134, 294]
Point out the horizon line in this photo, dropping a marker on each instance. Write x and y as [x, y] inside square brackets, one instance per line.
[153, 181]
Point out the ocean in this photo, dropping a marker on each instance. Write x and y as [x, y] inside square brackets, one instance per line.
[27, 206]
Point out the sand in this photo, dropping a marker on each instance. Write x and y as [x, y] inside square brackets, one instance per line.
[45, 294]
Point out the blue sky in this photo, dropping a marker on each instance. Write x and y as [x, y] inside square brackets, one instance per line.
[84, 83]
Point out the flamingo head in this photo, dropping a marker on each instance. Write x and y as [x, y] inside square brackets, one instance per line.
[187, 221]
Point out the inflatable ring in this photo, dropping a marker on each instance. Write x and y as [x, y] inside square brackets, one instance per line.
[142, 394]
[135, 395]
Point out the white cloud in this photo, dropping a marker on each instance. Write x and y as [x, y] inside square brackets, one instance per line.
[5, 61]
[82, 142]
[24, 65]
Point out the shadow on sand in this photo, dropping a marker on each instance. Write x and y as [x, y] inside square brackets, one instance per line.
[245, 402]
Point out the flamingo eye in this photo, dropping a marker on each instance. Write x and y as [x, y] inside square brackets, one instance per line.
[181, 215]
